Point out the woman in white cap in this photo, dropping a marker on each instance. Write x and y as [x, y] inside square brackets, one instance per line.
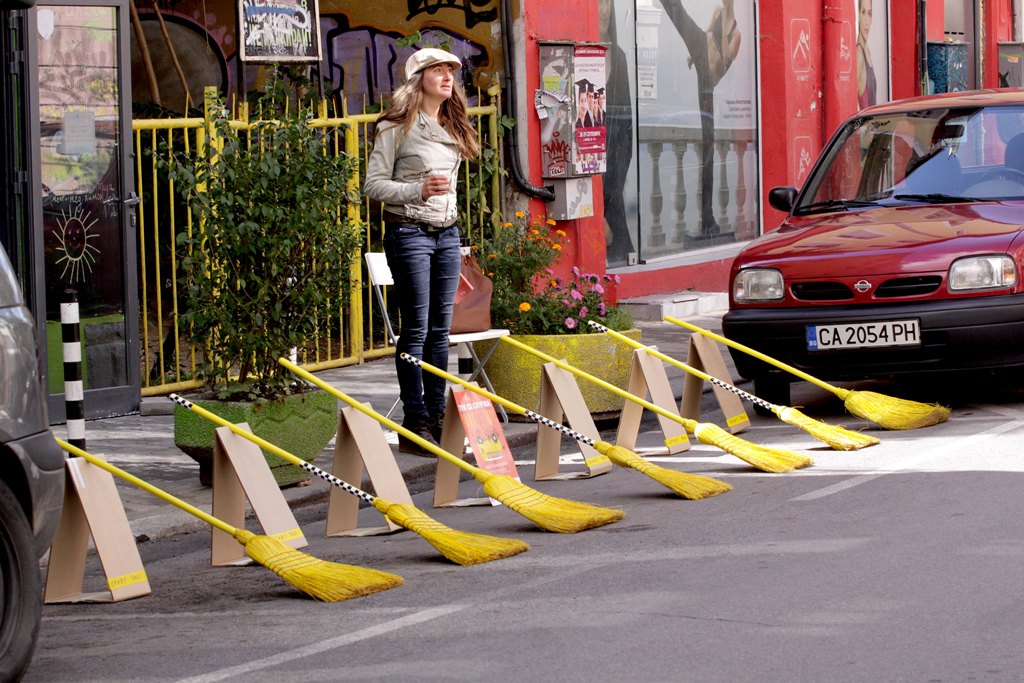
[419, 143]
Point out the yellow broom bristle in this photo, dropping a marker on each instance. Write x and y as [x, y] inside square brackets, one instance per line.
[461, 547]
[891, 412]
[547, 512]
[764, 458]
[839, 438]
[327, 581]
[684, 484]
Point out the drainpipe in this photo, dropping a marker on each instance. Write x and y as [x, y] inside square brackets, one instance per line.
[922, 44]
[511, 110]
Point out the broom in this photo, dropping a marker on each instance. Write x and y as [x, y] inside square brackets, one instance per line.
[547, 512]
[885, 411]
[458, 546]
[327, 581]
[763, 458]
[839, 438]
[692, 486]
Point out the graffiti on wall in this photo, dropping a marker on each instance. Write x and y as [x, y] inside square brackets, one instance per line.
[362, 57]
[474, 11]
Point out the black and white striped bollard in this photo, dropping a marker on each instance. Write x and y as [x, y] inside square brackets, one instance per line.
[74, 403]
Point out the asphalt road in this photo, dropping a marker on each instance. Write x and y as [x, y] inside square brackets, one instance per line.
[899, 562]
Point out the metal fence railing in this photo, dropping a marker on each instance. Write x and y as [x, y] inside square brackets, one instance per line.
[168, 360]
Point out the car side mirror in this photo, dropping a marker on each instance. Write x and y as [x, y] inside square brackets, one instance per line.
[782, 198]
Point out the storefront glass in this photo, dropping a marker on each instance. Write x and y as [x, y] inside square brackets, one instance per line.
[694, 162]
[80, 169]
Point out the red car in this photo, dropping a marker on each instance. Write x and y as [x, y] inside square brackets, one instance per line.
[901, 254]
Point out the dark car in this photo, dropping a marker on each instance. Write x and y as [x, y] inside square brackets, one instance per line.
[31, 479]
[901, 254]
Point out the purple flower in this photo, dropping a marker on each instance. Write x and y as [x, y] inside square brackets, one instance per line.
[601, 308]
[570, 323]
[575, 294]
[599, 289]
[583, 312]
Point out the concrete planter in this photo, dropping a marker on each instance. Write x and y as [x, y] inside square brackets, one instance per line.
[302, 424]
[516, 373]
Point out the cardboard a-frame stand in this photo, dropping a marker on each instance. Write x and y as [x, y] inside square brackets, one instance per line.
[361, 442]
[477, 418]
[560, 397]
[647, 378]
[240, 471]
[93, 506]
[706, 356]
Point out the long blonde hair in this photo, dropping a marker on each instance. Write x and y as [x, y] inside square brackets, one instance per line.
[408, 100]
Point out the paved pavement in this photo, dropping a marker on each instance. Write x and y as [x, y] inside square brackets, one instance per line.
[143, 444]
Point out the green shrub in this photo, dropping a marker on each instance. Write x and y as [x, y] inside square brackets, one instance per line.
[267, 261]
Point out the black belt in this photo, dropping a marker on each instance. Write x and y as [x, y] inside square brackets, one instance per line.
[390, 217]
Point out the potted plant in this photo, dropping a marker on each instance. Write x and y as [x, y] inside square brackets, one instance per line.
[549, 313]
[267, 267]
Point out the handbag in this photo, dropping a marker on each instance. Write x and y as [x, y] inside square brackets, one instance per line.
[472, 299]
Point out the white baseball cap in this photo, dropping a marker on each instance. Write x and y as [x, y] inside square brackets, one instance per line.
[429, 56]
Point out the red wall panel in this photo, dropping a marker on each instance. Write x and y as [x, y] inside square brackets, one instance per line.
[556, 20]
[791, 92]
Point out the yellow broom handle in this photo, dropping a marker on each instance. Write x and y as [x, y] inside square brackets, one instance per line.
[514, 407]
[217, 419]
[276, 450]
[756, 354]
[654, 352]
[146, 486]
[415, 438]
[689, 424]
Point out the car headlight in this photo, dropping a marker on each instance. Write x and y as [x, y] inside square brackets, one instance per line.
[982, 272]
[758, 284]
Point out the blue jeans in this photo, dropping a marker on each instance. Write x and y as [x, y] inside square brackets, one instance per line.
[425, 267]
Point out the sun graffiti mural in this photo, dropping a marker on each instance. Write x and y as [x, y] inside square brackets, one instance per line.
[75, 236]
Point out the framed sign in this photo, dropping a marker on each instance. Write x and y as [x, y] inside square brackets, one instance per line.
[279, 31]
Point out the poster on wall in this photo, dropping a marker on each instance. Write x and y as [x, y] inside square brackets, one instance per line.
[590, 86]
[872, 52]
[553, 102]
[279, 31]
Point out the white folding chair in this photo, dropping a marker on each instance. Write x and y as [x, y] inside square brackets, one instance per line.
[380, 277]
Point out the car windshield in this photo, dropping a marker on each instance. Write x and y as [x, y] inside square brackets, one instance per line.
[933, 156]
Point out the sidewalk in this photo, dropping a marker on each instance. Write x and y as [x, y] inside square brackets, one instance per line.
[143, 444]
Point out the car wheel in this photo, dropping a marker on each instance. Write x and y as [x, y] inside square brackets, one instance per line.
[771, 388]
[20, 597]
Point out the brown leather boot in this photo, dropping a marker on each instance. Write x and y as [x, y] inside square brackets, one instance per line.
[419, 426]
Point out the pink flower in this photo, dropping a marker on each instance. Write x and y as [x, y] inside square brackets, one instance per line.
[618, 279]
[570, 323]
[599, 289]
[566, 302]
[576, 271]
[575, 294]
[583, 312]
[601, 308]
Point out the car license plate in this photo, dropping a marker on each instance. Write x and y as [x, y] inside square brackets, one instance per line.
[863, 335]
